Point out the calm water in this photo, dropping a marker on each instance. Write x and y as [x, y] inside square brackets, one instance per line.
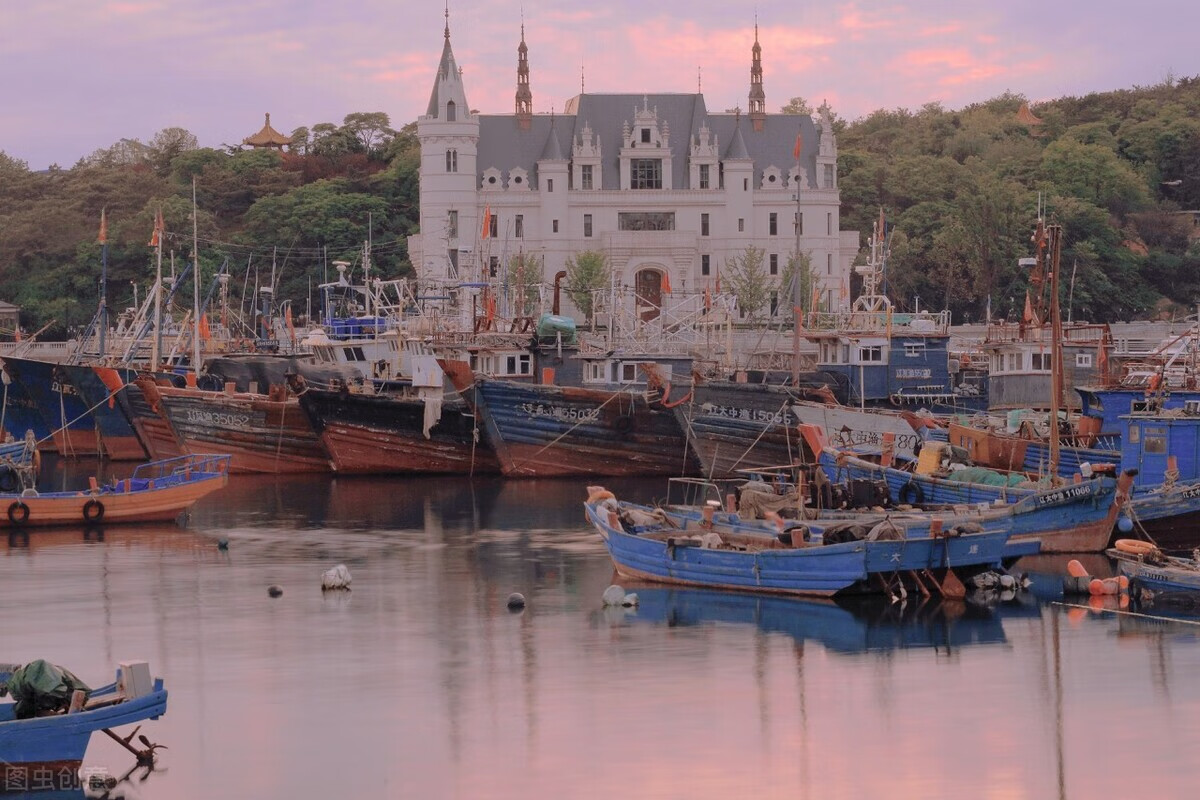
[420, 683]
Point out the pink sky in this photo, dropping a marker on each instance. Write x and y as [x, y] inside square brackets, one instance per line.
[82, 74]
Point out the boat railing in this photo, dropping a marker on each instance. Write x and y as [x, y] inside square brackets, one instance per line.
[697, 492]
[183, 467]
[1005, 332]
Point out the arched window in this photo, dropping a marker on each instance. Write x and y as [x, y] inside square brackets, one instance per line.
[451, 161]
[451, 111]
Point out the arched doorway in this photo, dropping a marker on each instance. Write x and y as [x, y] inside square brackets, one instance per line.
[648, 285]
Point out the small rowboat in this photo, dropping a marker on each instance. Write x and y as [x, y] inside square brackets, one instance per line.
[157, 491]
[1153, 569]
[55, 738]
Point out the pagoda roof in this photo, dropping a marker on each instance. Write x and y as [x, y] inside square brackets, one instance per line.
[267, 137]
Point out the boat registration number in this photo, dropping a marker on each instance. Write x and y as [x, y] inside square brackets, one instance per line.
[1190, 492]
[1063, 495]
[555, 412]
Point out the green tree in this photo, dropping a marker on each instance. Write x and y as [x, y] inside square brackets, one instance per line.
[797, 105]
[748, 280]
[524, 275]
[588, 272]
[798, 268]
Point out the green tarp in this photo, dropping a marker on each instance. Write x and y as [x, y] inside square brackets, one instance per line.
[41, 686]
[986, 476]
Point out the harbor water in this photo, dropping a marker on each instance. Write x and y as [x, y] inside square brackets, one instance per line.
[419, 682]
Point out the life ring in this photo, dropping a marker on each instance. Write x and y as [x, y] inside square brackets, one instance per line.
[93, 511]
[18, 513]
[911, 494]
[623, 423]
[1135, 547]
[8, 479]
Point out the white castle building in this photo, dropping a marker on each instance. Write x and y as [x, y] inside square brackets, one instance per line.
[666, 188]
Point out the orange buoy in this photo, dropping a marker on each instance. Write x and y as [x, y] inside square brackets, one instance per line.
[1076, 569]
[1134, 546]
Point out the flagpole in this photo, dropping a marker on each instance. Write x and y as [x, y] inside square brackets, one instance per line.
[156, 349]
[195, 285]
[103, 283]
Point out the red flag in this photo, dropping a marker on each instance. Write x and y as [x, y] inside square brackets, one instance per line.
[156, 237]
[796, 149]
[487, 222]
[718, 281]
[103, 239]
[205, 333]
[1027, 316]
[880, 234]
[666, 282]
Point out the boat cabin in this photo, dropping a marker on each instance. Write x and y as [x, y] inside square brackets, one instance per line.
[1156, 442]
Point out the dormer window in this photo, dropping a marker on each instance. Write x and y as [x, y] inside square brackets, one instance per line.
[645, 135]
[451, 112]
[645, 173]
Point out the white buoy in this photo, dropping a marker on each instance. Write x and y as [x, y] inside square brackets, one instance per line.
[336, 578]
[614, 596]
[630, 600]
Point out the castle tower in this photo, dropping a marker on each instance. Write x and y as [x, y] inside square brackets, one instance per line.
[758, 98]
[524, 95]
[449, 138]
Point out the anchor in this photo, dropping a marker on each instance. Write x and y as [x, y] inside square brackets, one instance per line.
[145, 758]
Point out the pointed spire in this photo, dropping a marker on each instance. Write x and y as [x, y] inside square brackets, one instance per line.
[524, 93]
[758, 98]
[448, 93]
[737, 145]
[553, 149]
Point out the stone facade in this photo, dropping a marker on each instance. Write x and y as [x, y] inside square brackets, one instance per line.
[669, 190]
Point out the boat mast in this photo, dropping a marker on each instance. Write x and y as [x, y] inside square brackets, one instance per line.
[195, 285]
[103, 314]
[1054, 235]
[797, 311]
[156, 347]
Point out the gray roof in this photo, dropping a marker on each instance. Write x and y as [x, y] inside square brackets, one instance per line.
[504, 145]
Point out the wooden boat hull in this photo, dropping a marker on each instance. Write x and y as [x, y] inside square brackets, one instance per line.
[61, 740]
[1077, 518]
[1164, 576]
[71, 423]
[542, 431]
[261, 434]
[21, 414]
[378, 434]
[825, 569]
[153, 499]
[149, 420]
[118, 440]
[850, 427]
[734, 426]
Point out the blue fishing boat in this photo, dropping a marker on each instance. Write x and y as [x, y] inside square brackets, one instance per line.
[19, 412]
[543, 429]
[68, 418]
[1153, 569]
[49, 721]
[702, 547]
[118, 440]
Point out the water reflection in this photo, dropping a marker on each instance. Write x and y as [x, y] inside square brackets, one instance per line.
[845, 625]
[420, 683]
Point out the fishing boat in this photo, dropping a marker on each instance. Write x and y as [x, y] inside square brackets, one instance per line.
[411, 430]
[156, 491]
[67, 714]
[590, 415]
[64, 412]
[101, 394]
[704, 547]
[1153, 569]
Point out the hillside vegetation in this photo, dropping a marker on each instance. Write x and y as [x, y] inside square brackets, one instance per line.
[959, 189]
